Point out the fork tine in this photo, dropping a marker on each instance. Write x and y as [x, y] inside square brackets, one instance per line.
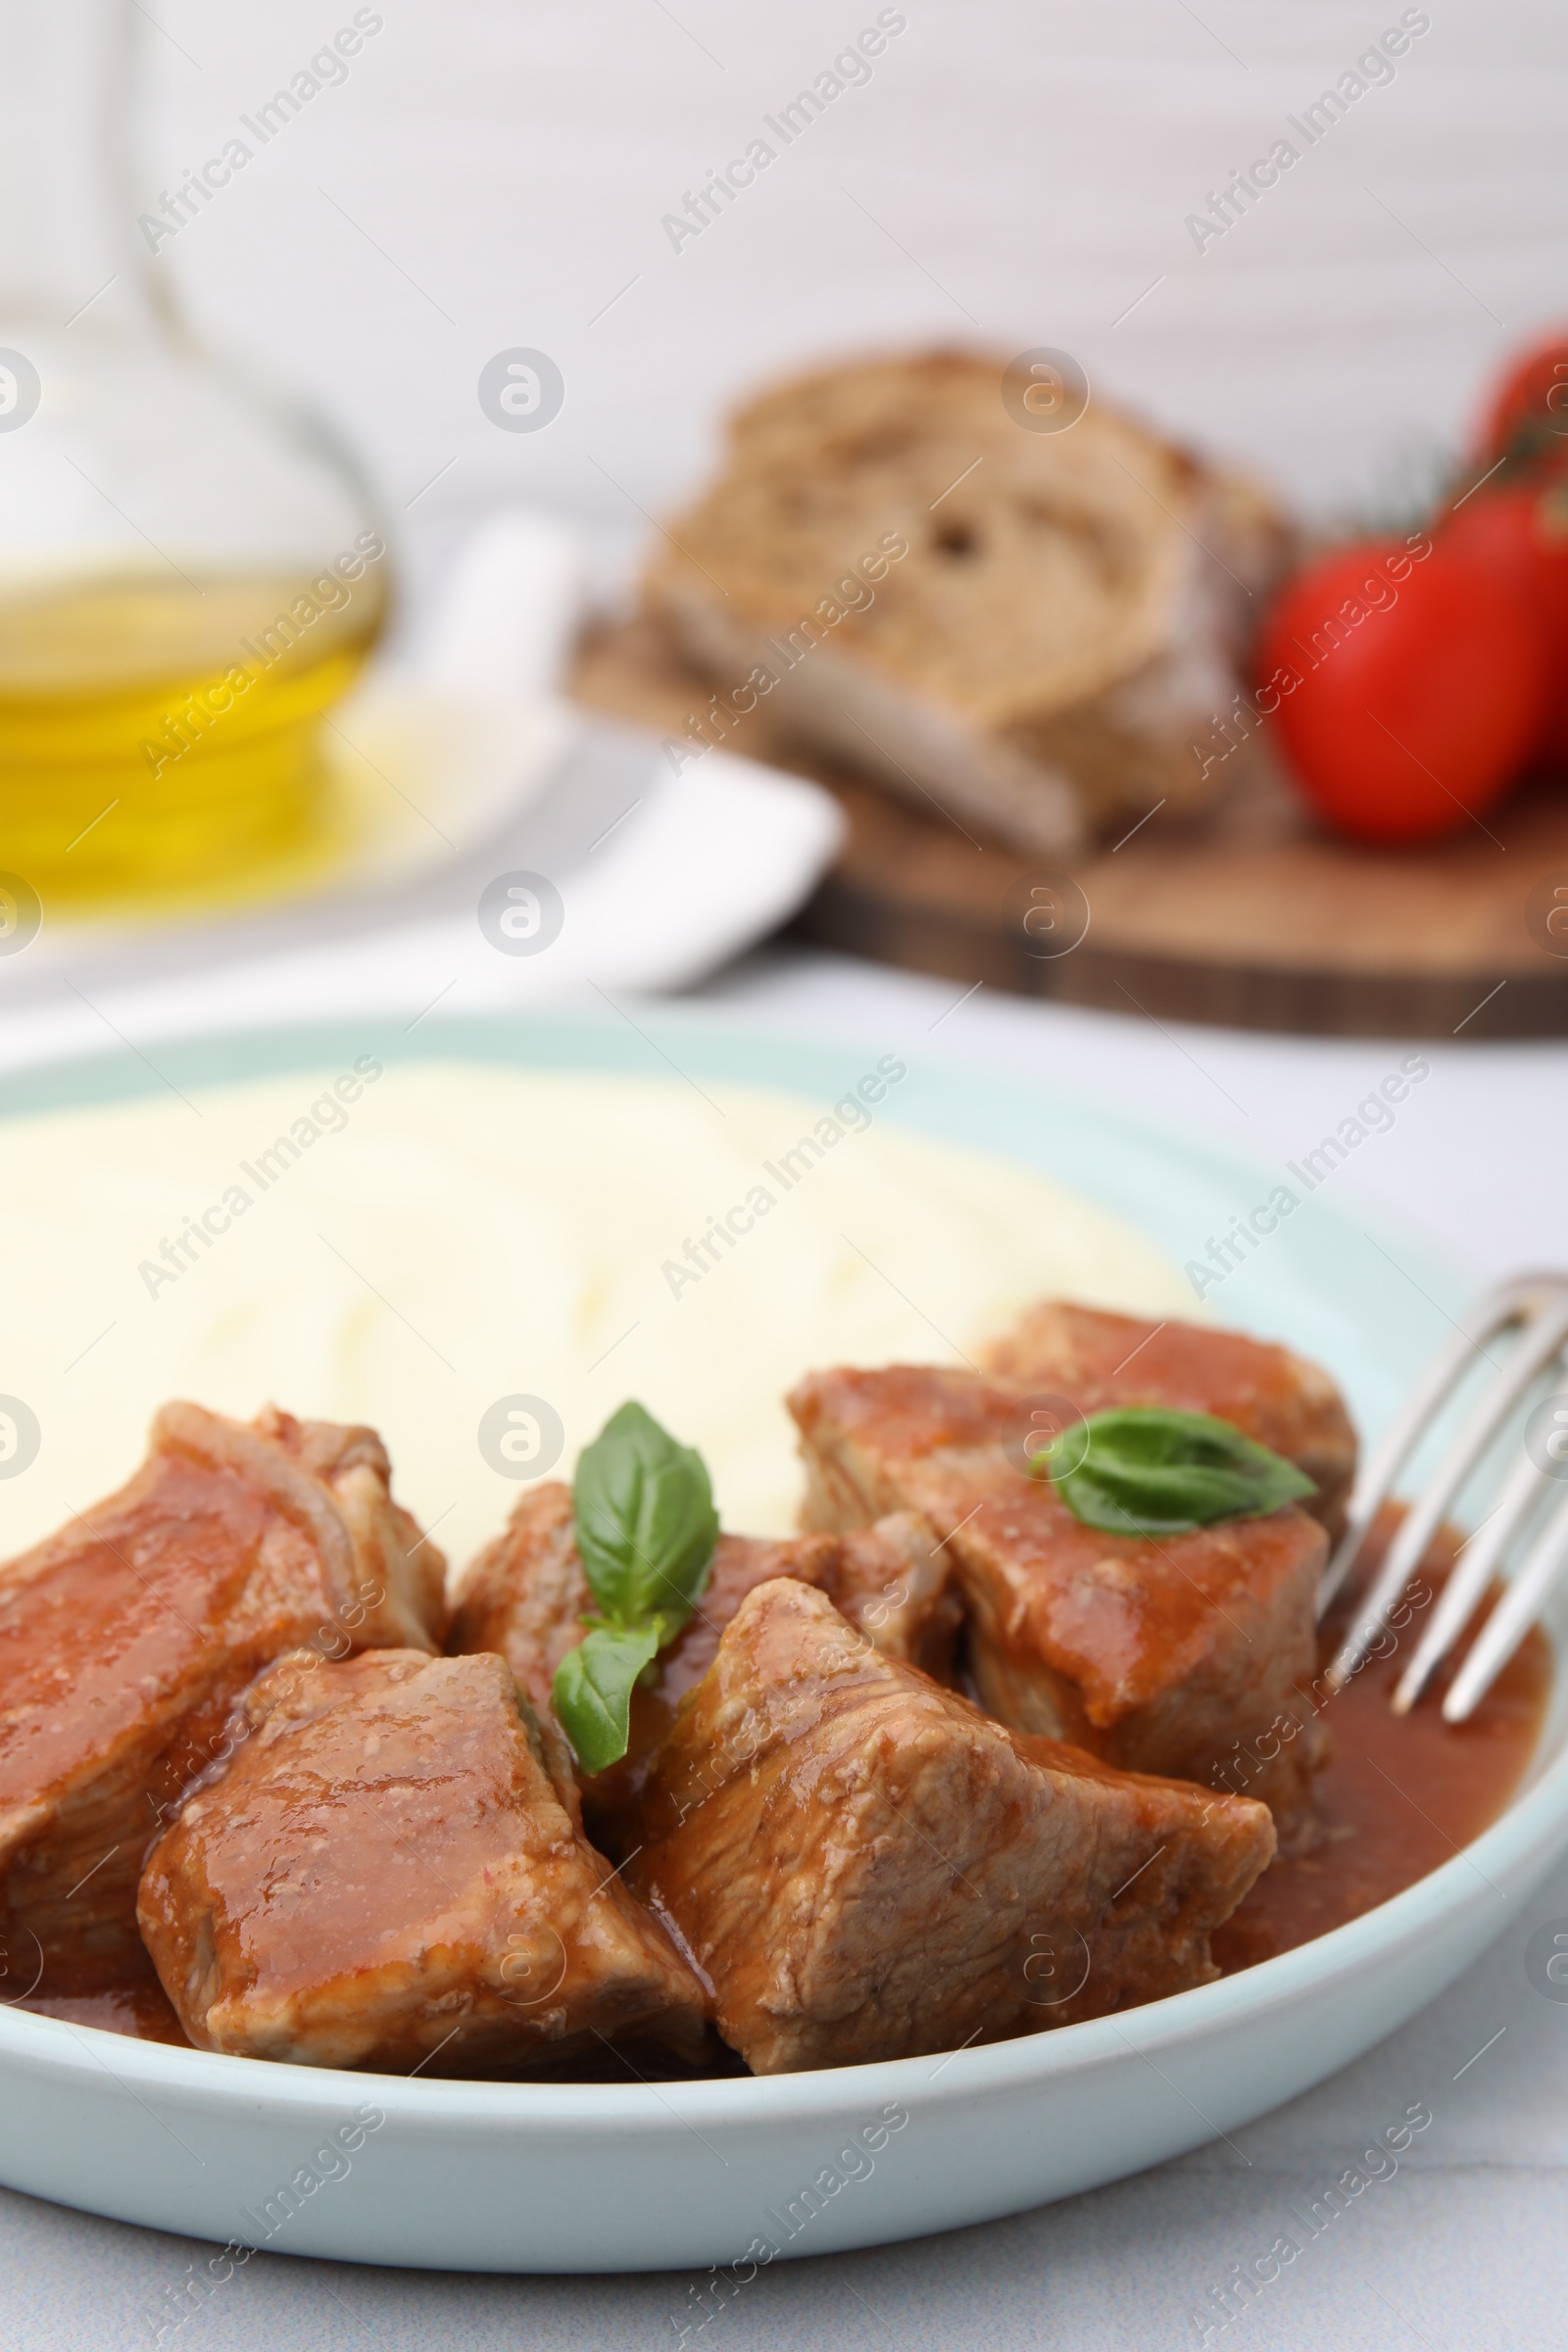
[1493, 1314]
[1540, 1343]
[1376, 1482]
[1523, 1596]
[1471, 1575]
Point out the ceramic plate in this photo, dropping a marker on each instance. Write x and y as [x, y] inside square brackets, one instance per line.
[738, 2173]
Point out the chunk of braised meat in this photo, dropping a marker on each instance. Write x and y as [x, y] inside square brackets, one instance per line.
[383, 1876]
[125, 1638]
[1169, 1654]
[868, 1867]
[1096, 1361]
[525, 1596]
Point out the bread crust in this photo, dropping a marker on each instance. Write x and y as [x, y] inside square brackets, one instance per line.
[1062, 626]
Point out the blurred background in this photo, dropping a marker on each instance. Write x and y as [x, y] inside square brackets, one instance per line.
[448, 311]
[486, 176]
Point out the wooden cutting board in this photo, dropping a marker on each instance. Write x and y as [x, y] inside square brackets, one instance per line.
[1253, 919]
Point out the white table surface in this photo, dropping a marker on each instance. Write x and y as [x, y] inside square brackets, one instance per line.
[1466, 2247]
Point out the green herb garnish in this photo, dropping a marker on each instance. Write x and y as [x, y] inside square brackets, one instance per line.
[1141, 1470]
[593, 1688]
[646, 1529]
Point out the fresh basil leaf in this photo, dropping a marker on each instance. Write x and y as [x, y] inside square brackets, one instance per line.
[1142, 1470]
[645, 1521]
[646, 1529]
[593, 1686]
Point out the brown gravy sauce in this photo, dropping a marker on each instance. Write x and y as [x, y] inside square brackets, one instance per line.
[1399, 1795]
[141, 2009]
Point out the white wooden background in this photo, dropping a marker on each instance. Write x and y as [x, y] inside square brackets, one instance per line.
[494, 172]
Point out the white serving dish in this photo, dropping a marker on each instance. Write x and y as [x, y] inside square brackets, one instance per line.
[573, 2178]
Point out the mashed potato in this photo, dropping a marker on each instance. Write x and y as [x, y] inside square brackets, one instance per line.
[443, 1249]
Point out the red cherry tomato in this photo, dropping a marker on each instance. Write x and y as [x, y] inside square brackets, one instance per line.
[1408, 686]
[1527, 415]
[1519, 537]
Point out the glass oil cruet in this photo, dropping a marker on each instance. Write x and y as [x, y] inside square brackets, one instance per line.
[190, 577]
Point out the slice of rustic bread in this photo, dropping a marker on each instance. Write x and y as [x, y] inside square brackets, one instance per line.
[1033, 628]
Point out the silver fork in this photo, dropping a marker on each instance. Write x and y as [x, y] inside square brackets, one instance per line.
[1533, 1311]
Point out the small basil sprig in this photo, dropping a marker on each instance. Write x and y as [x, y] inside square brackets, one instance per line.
[1142, 1470]
[646, 1529]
